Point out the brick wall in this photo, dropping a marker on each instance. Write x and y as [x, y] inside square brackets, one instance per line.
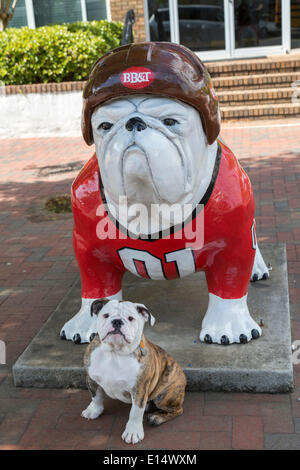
[119, 9]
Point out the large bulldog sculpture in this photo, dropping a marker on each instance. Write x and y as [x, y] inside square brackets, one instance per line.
[159, 176]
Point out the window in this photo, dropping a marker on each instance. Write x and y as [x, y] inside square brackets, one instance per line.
[96, 10]
[159, 20]
[20, 17]
[258, 23]
[201, 24]
[56, 11]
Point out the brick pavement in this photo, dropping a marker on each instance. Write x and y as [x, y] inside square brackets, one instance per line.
[37, 267]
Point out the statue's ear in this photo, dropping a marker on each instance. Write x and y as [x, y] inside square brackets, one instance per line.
[97, 305]
[146, 314]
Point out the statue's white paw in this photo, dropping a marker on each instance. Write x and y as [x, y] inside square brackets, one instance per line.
[133, 433]
[260, 269]
[92, 411]
[228, 321]
[82, 327]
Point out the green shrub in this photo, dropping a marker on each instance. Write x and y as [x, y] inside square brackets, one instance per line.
[55, 53]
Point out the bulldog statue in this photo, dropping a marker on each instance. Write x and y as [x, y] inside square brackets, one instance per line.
[153, 114]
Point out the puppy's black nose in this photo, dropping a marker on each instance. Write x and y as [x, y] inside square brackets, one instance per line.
[117, 323]
[135, 123]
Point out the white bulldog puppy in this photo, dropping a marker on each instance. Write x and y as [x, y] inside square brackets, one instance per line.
[121, 363]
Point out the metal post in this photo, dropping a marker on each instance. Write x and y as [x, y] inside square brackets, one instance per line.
[30, 14]
[174, 21]
[127, 31]
[286, 25]
[108, 10]
[83, 10]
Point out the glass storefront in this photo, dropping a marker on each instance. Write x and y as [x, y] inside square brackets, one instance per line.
[257, 23]
[226, 28]
[295, 24]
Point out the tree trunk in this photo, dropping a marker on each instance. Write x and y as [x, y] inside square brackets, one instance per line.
[3, 23]
[6, 13]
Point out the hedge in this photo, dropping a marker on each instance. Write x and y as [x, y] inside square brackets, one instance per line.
[55, 53]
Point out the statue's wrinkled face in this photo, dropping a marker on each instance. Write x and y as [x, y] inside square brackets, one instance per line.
[150, 149]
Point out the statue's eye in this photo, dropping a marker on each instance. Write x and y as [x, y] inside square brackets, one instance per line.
[105, 126]
[105, 315]
[170, 122]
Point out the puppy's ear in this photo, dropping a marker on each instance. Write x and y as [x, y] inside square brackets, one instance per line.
[97, 305]
[146, 314]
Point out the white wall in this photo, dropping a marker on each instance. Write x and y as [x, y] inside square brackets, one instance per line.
[40, 114]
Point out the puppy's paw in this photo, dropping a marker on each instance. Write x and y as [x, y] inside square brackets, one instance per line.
[155, 419]
[92, 411]
[133, 433]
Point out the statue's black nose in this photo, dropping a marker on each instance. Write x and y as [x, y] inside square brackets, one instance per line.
[117, 323]
[135, 123]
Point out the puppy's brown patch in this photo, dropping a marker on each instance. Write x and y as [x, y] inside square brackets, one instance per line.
[162, 380]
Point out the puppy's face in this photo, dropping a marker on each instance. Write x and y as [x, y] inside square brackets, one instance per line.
[120, 324]
[148, 149]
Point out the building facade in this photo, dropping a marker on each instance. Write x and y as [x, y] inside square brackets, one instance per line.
[214, 29]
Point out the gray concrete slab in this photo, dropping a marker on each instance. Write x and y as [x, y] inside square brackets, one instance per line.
[264, 365]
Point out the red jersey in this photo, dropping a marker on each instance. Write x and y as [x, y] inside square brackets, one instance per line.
[226, 254]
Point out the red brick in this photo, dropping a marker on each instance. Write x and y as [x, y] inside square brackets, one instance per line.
[284, 236]
[202, 423]
[247, 433]
[70, 421]
[219, 408]
[291, 253]
[294, 203]
[267, 209]
[277, 418]
[296, 232]
[215, 441]
[13, 426]
[294, 267]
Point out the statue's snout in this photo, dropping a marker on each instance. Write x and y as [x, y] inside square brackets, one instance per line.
[135, 123]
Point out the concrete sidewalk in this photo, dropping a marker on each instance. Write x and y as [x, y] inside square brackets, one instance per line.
[37, 267]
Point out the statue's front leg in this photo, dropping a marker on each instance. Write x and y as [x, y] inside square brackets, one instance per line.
[228, 321]
[260, 269]
[82, 327]
[100, 277]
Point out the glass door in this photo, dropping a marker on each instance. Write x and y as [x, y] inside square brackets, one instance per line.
[257, 27]
[224, 29]
[201, 25]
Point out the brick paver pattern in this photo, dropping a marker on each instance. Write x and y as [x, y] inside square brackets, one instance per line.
[37, 267]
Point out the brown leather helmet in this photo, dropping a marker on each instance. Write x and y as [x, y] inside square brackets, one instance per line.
[159, 68]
